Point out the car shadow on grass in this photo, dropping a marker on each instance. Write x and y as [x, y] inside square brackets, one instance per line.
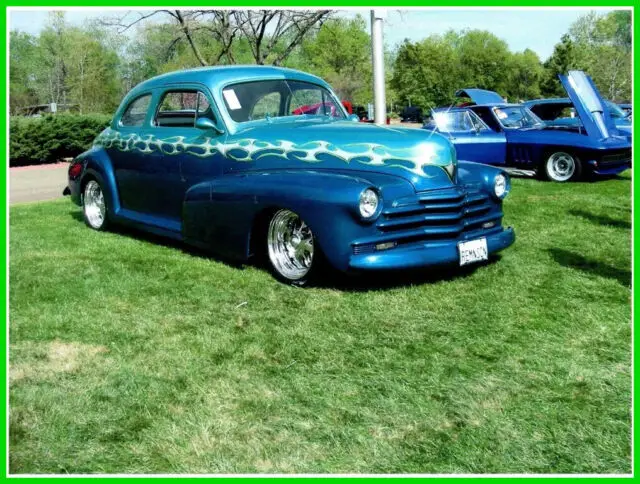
[379, 280]
[591, 266]
[328, 279]
[601, 219]
[155, 239]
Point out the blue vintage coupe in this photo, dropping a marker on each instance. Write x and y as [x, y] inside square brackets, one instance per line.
[560, 112]
[217, 158]
[490, 130]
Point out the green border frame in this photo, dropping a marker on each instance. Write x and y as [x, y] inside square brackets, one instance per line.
[345, 4]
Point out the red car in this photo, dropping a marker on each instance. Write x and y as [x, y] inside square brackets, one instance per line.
[361, 112]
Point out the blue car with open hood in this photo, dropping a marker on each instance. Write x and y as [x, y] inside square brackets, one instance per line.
[224, 159]
[560, 112]
[490, 130]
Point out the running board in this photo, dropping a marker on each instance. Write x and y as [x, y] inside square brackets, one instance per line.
[519, 172]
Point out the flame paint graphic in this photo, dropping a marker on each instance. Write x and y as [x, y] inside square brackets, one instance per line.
[413, 159]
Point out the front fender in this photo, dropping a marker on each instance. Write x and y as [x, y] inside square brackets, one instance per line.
[221, 213]
[470, 173]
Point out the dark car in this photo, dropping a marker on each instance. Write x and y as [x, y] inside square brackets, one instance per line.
[411, 114]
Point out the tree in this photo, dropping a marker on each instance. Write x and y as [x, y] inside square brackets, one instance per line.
[271, 35]
[523, 76]
[605, 44]
[340, 52]
[64, 65]
[563, 59]
[424, 72]
[428, 73]
[483, 59]
[22, 64]
[599, 44]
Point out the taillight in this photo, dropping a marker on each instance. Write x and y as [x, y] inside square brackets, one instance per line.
[75, 170]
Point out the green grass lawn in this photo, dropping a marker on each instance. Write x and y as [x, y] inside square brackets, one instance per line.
[130, 355]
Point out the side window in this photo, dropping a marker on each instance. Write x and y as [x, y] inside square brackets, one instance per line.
[476, 122]
[178, 109]
[136, 112]
[487, 117]
[269, 104]
[312, 101]
[203, 107]
[453, 121]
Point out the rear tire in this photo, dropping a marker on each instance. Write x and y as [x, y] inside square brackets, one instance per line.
[94, 206]
[562, 167]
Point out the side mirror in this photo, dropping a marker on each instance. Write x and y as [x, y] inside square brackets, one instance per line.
[207, 125]
[354, 118]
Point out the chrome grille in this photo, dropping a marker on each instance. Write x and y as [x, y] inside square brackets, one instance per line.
[450, 214]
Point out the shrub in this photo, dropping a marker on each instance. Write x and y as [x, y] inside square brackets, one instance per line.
[51, 138]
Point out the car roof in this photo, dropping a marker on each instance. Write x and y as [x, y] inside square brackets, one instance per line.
[555, 100]
[218, 76]
[462, 108]
[498, 105]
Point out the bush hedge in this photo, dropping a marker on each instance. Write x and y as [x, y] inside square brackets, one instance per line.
[51, 138]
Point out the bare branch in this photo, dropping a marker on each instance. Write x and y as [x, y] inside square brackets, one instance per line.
[187, 33]
[303, 26]
[122, 26]
[270, 33]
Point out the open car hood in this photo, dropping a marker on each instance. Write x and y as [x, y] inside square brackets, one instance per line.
[481, 96]
[591, 108]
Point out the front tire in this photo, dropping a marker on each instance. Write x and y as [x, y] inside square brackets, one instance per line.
[561, 167]
[94, 206]
[291, 248]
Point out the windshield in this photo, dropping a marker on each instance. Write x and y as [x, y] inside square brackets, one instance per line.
[250, 101]
[517, 117]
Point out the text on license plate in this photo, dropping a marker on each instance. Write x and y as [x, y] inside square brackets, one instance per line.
[473, 251]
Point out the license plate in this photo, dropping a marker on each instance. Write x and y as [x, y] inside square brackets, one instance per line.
[473, 251]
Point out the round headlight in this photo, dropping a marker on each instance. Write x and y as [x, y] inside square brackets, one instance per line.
[368, 203]
[501, 186]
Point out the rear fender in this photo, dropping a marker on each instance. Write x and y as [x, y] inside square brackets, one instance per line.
[97, 165]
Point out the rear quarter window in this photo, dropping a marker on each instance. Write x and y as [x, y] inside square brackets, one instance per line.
[136, 111]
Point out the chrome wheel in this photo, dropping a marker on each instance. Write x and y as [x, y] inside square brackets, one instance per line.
[94, 207]
[290, 245]
[561, 166]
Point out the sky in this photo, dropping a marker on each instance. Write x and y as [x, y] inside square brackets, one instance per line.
[538, 29]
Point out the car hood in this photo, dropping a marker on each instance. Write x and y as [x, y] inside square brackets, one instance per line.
[427, 160]
[481, 96]
[591, 108]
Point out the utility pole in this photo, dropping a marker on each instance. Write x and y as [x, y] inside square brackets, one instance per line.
[377, 54]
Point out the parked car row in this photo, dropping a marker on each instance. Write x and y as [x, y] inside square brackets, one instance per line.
[265, 162]
[489, 130]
